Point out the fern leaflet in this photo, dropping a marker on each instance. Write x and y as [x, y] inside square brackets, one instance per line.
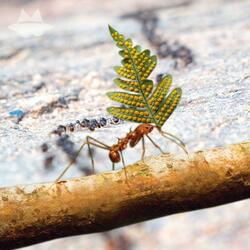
[143, 103]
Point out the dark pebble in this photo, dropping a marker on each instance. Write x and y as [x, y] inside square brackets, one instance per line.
[44, 147]
[103, 121]
[115, 119]
[71, 127]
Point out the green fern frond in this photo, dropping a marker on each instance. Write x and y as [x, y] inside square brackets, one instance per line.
[143, 102]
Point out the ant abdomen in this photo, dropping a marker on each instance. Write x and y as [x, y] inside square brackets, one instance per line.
[144, 129]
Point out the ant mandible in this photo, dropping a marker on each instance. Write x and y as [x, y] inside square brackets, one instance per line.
[132, 139]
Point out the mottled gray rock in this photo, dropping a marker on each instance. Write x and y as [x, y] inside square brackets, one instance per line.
[63, 76]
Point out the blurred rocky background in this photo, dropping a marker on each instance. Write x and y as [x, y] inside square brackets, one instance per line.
[61, 76]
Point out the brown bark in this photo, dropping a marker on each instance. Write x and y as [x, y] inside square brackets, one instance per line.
[161, 186]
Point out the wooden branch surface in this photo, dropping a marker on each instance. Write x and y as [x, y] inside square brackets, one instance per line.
[161, 186]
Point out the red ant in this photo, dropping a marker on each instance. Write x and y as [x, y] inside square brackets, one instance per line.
[132, 138]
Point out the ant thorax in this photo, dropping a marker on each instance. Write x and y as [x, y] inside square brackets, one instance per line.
[134, 139]
[122, 143]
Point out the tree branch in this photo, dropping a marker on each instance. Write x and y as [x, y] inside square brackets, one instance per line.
[161, 186]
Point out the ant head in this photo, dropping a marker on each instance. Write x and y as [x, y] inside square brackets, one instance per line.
[114, 156]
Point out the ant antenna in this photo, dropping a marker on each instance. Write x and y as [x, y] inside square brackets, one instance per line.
[171, 135]
[175, 137]
[175, 140]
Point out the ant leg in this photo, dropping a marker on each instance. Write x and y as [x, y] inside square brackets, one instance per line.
[156, 145]
[71, 162]
[98, 144]
[173, 136]
[123, 162]
[177, 142]
[91, 155]
[143, 149]
[124, 167]
[113, 166]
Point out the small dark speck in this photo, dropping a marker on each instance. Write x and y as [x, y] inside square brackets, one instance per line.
[169, 166]
[159, 77]
[5, 198]
[13, 221]
[48, 162]
[87, 171]
[44, 147]
[61, 182]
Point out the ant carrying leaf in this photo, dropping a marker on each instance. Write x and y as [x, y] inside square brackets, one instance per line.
[142, 102]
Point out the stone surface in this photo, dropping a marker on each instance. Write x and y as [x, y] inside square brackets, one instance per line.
[63, 76]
